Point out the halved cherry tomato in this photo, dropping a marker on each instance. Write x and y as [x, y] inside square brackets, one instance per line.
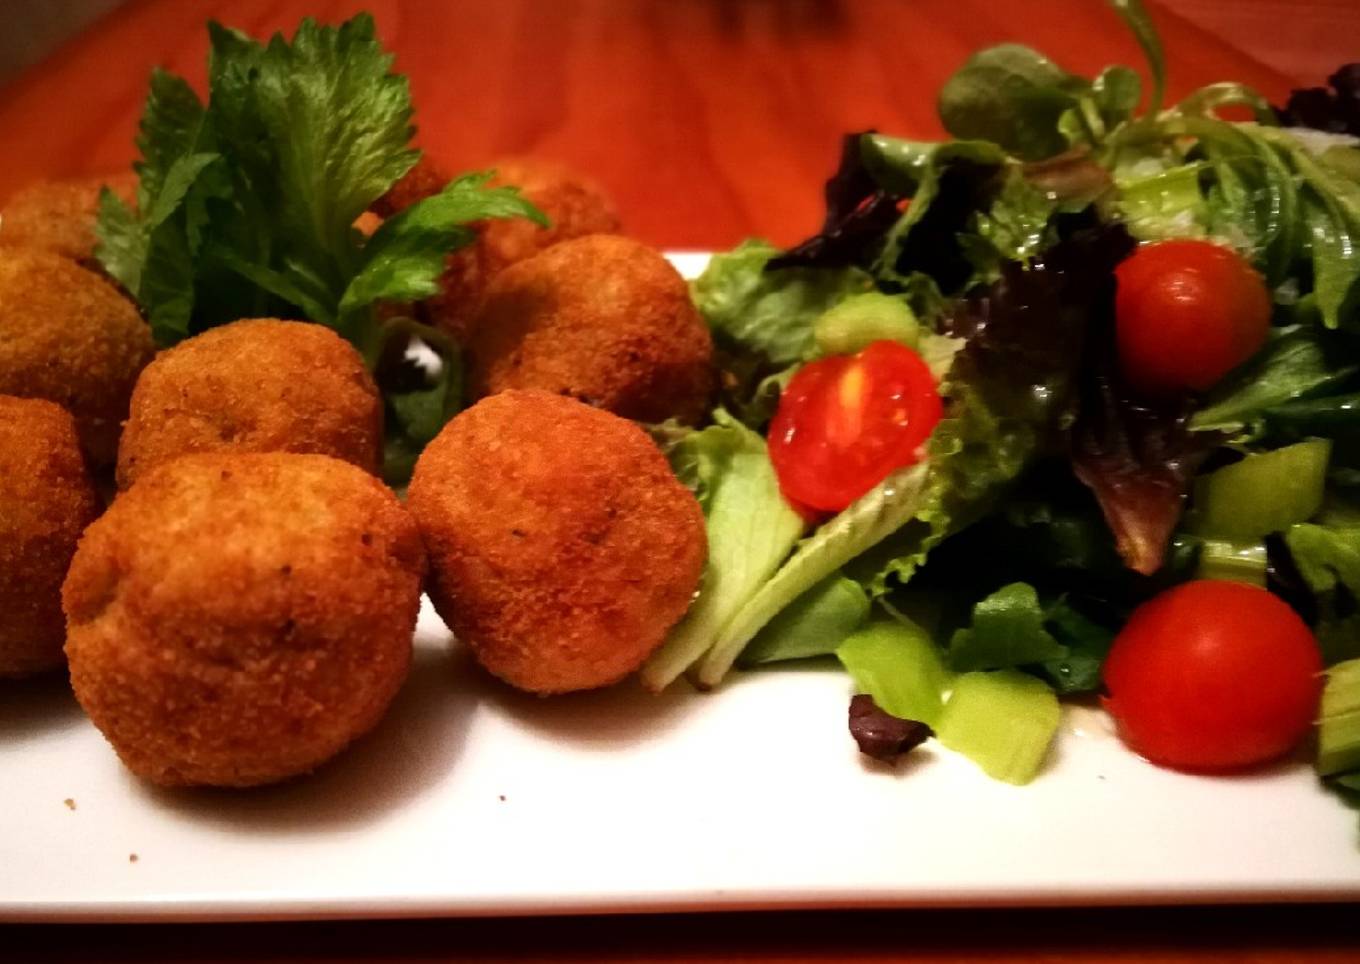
[846, 422]
[1186, 313]
[1213, 675]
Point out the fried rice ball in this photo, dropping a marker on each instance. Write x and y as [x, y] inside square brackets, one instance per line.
[69, 336]
[239, 618]
[59, 216]
[562, 549]
[575, 205]
[259, 385]
[46, 500]
[604, 319]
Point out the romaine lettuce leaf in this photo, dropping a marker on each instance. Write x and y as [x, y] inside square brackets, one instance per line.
[880, 512]
[751, 530]
[1328, 558]
[814, 625]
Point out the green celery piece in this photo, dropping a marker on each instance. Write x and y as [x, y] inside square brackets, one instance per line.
[1007, 630]
[1235, 561]
[814, 625]
[1339, 725]
[895, 662]
[751, 530]
[860, 320]
[873, 517]
[1263, 493]
[1003, 721]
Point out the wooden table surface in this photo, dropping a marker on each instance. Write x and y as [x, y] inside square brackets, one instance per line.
[709, 120]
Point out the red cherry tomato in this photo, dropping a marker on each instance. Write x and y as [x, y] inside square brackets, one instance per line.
[1213, 675]
[845, 423]
[1187, 313]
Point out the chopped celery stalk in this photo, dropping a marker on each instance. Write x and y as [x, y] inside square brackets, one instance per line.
[868, 521]
[863, 319]
[1237, 561]
[1263, 493]
[814, 625]
[1003, 721]
[1339, 726]
[900, 667]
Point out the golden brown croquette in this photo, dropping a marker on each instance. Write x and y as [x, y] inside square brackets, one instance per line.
[59, 216]
[575, 205]
[69, 336]
[238, 618]
[562, 549]
[423, 180]
[46, 501]
[604, 319]
[259, 385]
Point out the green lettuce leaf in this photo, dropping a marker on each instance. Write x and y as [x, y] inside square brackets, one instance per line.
[814, 625]
[1016, 97]
[1086, 643]
[770, 313]
[1007, 631]
[1328, 559]
[1013, 96]
[751, 530]
[1299, 362]
[880, 512]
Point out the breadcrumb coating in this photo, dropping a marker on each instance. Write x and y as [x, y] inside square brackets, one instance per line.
[59, 216]
[239, 618]
[603, 319]
[575, 205]
[69, 336]
[46, 500]
[562, 548]
[259, 385]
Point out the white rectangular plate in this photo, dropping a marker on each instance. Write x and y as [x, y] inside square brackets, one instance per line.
[472, 799]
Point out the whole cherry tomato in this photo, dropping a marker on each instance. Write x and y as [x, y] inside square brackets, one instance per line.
[1213, 675]
[1187, 313]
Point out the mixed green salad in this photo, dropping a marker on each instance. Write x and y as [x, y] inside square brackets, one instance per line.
[1141, 326]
